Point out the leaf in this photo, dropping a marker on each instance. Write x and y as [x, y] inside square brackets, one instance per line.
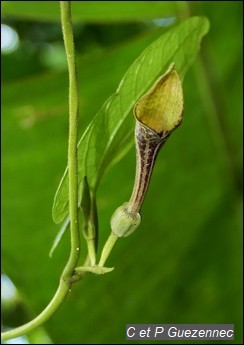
[85, 205]
[59, 236]
[110, 133]
[91, 11]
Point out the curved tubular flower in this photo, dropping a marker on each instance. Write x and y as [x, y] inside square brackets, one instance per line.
[158, 113]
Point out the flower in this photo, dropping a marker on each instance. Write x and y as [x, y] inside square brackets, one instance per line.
[161, 108]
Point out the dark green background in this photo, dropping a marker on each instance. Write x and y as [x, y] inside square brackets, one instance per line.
[183, 265]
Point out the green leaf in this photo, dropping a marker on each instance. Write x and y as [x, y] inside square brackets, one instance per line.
[91, 11]
[109, 135]
[59, 236]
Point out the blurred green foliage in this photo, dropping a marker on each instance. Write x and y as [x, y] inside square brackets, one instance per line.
[183, 264]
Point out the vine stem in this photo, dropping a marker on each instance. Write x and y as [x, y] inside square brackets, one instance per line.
[72, 148]
[65, 281]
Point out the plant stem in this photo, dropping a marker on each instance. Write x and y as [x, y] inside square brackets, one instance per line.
[107, 248]
[51, 308]
[65, 282]
[91, 251]
[72, 148]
